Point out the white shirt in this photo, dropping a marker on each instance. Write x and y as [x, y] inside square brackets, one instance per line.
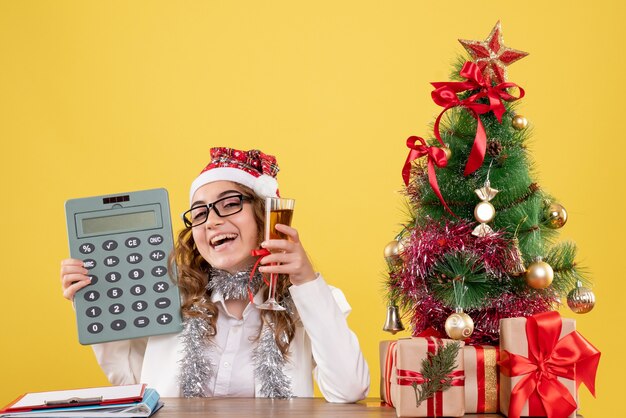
[323, 347]
[231, 353]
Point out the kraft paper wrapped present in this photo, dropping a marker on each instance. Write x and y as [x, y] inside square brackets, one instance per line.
[482, 378]
[406, 356]
[385, 368]
[543, 351]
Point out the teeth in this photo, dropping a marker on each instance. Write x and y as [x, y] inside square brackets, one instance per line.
[216, 239]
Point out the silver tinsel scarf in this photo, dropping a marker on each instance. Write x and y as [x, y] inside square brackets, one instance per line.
[269, 362]
[233, 286]
[195, 368]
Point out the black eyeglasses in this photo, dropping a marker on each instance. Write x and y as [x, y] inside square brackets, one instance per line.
[223, 207]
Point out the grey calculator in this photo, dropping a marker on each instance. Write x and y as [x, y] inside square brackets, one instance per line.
[124, 241]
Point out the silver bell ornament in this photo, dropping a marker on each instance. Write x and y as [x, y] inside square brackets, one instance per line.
[393, 322]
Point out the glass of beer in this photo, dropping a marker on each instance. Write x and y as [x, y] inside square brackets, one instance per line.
[277, 211]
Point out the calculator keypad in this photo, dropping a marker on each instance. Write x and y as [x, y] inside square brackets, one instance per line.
[113, 292]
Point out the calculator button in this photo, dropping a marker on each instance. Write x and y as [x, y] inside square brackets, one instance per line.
[113, 277]
[86, 248]
[109, 245]
[164, 319]
[133, 242]
[95, 327]
[118, 325]
[139, 306]
[160, 287]
[155, 239]
[116, 308]
[157, 255]
[135, 274]
[92, 296]
[138, 290]
[89, 263]
[134, 258]
[114, 292]
[159, 271]
[111, 261]
[162, 303]
[94, 278]
[93, 312]
[141, 321]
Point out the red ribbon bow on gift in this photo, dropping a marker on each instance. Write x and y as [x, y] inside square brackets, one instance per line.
[445, 94]
[436, 157]
[571, 357]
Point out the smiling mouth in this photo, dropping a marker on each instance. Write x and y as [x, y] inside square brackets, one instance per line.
[222, 239]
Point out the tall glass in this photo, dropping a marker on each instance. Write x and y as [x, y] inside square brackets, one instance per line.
[277, 211]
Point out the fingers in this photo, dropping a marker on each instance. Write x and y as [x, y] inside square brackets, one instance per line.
[70, 291]
[289, 231]
[73, 277]
[287, 257]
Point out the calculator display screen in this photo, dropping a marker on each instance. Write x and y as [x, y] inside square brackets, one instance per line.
[121, 222]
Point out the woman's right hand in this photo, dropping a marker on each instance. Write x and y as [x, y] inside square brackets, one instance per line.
[73, 277]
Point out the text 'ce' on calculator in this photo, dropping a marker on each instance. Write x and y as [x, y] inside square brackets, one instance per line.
[124, 241]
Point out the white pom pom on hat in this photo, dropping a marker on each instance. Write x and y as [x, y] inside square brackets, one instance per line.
[252, 169]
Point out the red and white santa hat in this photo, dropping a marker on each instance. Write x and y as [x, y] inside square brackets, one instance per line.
[253, 169]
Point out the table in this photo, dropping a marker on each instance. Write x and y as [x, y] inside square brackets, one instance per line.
[264, 407]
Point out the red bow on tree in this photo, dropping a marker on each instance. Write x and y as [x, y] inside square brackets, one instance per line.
[436, 157]
[445, 94]
[549, 357]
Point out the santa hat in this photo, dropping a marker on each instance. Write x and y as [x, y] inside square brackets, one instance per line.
[250, 168]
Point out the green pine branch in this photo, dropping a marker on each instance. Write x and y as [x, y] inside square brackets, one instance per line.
[561, 257]
[436, 370]
[454, 267]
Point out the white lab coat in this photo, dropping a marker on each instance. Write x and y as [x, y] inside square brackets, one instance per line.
[323, 347]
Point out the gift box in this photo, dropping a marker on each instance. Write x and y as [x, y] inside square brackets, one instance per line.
[543, 362]
[482, 378]
[385, 356]
[406, 358]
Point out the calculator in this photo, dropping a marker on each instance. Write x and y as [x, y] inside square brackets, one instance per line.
[124, 241]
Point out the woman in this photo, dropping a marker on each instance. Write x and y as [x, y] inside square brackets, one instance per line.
[229, 347]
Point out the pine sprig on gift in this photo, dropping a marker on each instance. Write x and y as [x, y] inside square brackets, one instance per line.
[436, 370]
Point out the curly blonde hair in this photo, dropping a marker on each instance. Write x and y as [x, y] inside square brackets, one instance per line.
[193, 276]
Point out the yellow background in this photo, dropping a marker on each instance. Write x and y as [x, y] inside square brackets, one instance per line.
[109, 96]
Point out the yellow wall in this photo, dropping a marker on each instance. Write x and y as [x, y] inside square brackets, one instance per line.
[108, 96]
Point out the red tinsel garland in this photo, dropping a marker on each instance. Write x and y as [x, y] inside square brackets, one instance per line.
[428, 244]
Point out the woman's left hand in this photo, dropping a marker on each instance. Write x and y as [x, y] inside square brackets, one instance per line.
[289, 256]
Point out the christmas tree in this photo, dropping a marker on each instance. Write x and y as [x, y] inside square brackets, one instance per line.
[480, 244]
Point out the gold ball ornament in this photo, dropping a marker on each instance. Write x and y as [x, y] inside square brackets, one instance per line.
[392, 251]
[459, 326]
[539, 275]
[484, 212]
[448, 153]
[581, 299]
[519, 122]
[556, 216]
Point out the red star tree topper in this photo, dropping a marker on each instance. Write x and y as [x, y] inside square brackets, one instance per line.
[492, 56]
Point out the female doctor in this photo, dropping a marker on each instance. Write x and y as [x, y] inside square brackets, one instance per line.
[229, 347]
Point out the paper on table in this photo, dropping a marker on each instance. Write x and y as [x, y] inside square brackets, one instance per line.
[107, 393]
[148, 406]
